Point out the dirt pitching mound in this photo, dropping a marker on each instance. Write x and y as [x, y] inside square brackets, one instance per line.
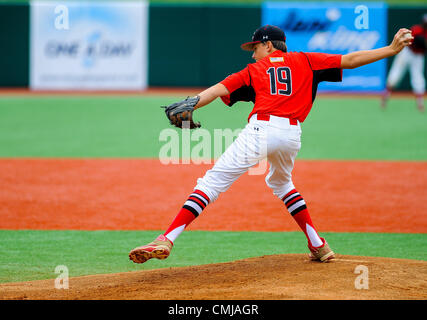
[268, 277]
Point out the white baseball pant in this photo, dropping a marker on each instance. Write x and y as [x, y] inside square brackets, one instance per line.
[275, 140]
[407, 58]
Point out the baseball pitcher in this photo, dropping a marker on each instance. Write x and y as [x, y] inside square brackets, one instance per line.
[282, 85]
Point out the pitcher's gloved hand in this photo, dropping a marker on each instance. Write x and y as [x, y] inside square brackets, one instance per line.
[181, 111]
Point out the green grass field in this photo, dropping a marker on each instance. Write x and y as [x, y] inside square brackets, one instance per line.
[129, 126]
[29, 255]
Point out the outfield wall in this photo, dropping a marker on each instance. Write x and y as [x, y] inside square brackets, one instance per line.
[198, 45]
[14, 45]
[188, 45]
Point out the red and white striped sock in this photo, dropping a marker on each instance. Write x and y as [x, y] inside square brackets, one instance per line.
[298, 209]
[196, 202]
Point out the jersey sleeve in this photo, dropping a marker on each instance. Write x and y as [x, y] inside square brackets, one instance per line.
[237, 80]
[326, 67]
[320, 61]
[244, 93]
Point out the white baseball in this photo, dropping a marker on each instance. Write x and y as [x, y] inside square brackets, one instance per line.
[407, 35]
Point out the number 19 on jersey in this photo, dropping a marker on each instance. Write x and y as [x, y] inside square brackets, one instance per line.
[281, 75]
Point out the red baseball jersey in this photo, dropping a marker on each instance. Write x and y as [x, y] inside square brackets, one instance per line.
[283, 84]
[420, 39]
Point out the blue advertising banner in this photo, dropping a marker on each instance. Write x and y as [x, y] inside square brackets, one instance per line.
[335, 27]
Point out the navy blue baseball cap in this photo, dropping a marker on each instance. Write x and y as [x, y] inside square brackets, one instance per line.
[263, 34]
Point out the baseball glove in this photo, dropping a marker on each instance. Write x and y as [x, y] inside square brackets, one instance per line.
[182, 111]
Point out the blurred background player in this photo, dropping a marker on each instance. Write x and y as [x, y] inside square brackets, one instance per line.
[411, 57]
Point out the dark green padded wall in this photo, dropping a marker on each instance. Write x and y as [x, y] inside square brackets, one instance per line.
[14, 45]
[198, 45]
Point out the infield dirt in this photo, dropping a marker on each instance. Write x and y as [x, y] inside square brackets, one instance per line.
[124, 194]
[143, 194]
[276, 277]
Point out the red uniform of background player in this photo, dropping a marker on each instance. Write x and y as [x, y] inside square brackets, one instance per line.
[419, 32]
[411, 58]
[283, 87]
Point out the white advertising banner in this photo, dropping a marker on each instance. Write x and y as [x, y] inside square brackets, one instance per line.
[88, 45]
